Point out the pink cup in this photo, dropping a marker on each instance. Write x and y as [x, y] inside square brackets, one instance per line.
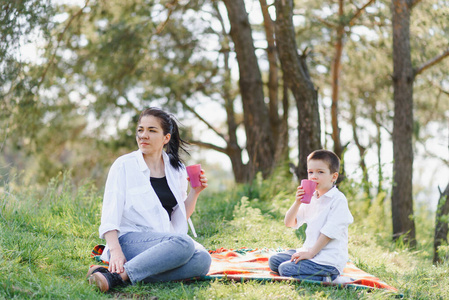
[194, 172]
[309, 187]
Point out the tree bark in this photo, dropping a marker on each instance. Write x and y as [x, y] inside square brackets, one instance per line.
[441, 224]
[336, 68]
[279, 126]
[339, 149]
[299, 82]
[378, 141]
[260, 144]
[402, 198]
[281, 154]
[272, 71]
[362, 150]
[232, 150]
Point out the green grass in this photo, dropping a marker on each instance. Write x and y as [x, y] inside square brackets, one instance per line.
[46, 239]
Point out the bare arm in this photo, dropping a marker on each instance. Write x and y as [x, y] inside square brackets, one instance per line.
[322, 241]
[290, 216]
[117, 259]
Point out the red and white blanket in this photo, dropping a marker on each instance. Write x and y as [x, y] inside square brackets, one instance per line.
[252, 264]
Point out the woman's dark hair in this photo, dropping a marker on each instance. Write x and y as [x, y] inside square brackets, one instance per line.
[169, 125]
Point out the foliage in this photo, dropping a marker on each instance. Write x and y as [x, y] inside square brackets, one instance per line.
[96, 66]
[46, 238]
[74, 105]
[18, 20]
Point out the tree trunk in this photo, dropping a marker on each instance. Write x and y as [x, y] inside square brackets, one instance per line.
[342, 24]
[336, 68]
[362, 150]
[378, 141]
[272, 71]
[441, 224]
[402, 198]
[299, 82]
[260, 144]
[281, 154]
[279, 126]
[233, 149]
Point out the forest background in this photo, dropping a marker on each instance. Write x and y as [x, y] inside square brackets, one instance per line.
[257, 85]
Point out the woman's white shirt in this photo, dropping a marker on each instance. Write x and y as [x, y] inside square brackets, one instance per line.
[130, 203]
[330, 216]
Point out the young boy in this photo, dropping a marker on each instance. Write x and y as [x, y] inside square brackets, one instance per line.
[325, 251]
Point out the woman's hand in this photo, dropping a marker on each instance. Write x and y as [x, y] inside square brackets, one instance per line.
[301, 256]
[194, 193]
[203, 180]
[117, 261]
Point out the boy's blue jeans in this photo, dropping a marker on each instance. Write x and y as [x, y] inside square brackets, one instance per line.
[156, 256]
[304, 269]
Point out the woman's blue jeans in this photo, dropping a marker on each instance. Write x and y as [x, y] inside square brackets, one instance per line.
[304, 269]
[157, 256]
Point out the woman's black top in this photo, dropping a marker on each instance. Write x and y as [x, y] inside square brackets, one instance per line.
[165, 195]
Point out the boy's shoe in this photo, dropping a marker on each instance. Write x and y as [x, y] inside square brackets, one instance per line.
[105, 280]
[96, 268]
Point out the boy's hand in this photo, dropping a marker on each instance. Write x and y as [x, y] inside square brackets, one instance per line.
[301, 256]
[310, 253]
[299, 193]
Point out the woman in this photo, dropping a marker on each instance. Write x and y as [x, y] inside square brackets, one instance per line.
[145, 211]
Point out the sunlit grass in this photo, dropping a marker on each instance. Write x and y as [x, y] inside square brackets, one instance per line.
[46, 238]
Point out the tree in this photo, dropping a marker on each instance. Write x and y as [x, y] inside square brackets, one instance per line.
[106, 60]
[242, 172]
[345, 22]
[279, 126]
[19, 22]
[228, 94]
[259, 136]
[402, 199]
[364, 97]
[27, 107]
[441, 224]
[126, 60]
[403, 78]
[299, 82]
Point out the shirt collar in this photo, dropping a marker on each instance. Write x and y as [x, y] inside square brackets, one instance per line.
[143, 165]
[330, 193]
[140, 161]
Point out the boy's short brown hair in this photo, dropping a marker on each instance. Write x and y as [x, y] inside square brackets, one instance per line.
[329, 157]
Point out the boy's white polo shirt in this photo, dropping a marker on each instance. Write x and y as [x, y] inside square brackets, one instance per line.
[330, 216]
